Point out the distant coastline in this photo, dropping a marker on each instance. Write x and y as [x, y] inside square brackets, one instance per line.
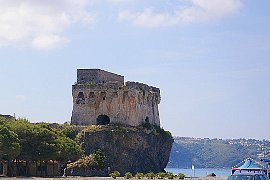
[214, 153]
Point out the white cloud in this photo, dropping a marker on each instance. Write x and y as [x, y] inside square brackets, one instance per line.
[198, 11]
[38, 23]
[48, 41]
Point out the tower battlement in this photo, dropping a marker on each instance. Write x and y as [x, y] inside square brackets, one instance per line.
[97, 76]
[101, 97]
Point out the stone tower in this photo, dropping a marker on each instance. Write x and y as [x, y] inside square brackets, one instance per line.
[101, 97]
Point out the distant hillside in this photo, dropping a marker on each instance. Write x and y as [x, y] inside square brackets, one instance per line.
[213, 153]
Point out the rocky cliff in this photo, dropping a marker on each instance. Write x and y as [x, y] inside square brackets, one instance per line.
[145, 148]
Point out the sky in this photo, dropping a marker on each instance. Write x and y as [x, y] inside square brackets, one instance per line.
[210, 59]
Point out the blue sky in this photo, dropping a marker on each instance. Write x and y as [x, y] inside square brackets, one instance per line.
[210, 58]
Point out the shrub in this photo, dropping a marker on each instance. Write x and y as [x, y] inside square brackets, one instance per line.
[169, 175]
[128, 175]
[99, 158]
[146, 125]
[150, 175]
[160, 175]
[139, 175]
[115, 174]
[181, 176]
[90, 84]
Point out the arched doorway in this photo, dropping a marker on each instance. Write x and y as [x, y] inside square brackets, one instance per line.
[147, 119]
[103, 120]
[80, 98]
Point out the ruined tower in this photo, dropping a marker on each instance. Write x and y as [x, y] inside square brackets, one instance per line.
[101, 97]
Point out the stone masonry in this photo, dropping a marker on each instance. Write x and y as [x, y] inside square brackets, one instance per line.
[101, 97]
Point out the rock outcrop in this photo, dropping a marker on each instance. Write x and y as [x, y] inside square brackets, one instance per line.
[144, 148]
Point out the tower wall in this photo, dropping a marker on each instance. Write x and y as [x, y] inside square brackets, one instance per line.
[130, 104]
[97, 76]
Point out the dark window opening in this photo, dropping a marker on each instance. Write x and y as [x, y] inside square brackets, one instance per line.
[143, 93]
[103, 95]
[80, 98]
[92, 94]
[103, 120]
[147, 119]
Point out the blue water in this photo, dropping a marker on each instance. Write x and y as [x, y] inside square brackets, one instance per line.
[202, 172]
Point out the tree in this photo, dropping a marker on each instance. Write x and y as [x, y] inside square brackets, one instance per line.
[99, 159]
[9, 144]
[67, 131]
[37, 143]
[67, 149]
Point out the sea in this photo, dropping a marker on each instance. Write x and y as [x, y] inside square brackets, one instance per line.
[201, 172]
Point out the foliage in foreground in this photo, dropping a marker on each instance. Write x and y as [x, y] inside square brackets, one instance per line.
[181, 176]
[115, 174]
[20, 139]
[9, 143]
[128, 175]
[169, 175]
[160, 175]
[139, 175]
[150, 175]
[93, 161]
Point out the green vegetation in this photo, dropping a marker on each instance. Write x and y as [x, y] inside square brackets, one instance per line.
[160, 175]
[139, 175]
[93, 161]
[181, 176]
[150, 175]
[90, 84]
[120, 128]
[156, 129]
[169, 175]
[115, 174]
[22, 140]
[128, 175]
[43, 143]
[9, 144]
[99, 159]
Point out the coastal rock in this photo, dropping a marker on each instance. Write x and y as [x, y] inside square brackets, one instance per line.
[129, 149]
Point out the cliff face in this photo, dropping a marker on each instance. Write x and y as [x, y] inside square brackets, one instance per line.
[129, 149]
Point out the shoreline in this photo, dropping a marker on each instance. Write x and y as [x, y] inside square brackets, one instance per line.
[104, 178]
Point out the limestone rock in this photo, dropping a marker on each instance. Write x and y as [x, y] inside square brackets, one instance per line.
[129, 149]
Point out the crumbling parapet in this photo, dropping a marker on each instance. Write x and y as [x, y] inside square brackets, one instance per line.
[101, 97]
